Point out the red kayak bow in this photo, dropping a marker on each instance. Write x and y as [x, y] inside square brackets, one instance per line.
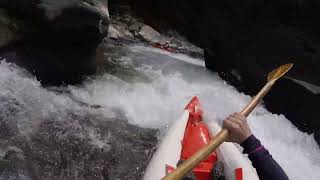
[195, 137]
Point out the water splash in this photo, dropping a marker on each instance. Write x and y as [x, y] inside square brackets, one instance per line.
[48, 134]
[174, 79]
[148, 88]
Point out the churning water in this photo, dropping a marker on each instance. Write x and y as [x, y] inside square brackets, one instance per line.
[149, 88]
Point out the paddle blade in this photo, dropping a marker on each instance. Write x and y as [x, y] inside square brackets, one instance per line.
[279, 72]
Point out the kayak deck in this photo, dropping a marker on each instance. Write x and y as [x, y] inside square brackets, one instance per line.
[197, 136]
[188, 135]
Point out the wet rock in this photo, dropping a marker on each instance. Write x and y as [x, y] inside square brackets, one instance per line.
[6, 35]
[8, 29]
[149, 34]
[5, 165]
[7, 170]
[79, 147]
[119, 32]
[114, 33]
[60, 42]
[135, 27]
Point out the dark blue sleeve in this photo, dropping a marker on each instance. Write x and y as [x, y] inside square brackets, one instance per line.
[267, 168]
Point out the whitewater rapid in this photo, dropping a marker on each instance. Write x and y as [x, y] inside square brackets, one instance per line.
[175, 79]
[151, 87]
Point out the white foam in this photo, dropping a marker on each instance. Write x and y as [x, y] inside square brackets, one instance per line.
[177, 56]
[31, 102]
[158, 103]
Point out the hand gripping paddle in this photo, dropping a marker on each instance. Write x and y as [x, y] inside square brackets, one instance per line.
[199, 156]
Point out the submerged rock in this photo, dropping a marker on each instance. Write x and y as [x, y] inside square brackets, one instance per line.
[78, 148]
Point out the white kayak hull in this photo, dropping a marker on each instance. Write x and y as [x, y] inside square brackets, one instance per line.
[169, 153]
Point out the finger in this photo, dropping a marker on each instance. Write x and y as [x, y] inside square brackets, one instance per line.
[238, 116]
[239, 122]
[227, 118]
[234, 116]
[226, 122]
[242, 117]
[235, 119]
[229, 124]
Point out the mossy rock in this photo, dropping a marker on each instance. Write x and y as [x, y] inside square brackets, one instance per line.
[9, 28]
[6, 166]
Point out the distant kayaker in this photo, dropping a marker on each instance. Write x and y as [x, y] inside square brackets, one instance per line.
[167, 44]
[240, 133]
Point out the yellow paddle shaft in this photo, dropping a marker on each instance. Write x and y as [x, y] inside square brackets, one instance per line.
[204, 152]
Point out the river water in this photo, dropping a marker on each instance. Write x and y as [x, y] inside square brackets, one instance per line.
[81, 132]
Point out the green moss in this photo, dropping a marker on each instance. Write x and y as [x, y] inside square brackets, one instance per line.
[8, 28]
[10, 22]
[6, 166]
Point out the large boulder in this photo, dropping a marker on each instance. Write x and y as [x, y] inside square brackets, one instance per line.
[147, 33]
[119, 30]
[252, 37]
[59, 44]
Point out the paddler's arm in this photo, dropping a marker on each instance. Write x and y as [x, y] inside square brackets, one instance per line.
[240, 132]
[267, 168]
